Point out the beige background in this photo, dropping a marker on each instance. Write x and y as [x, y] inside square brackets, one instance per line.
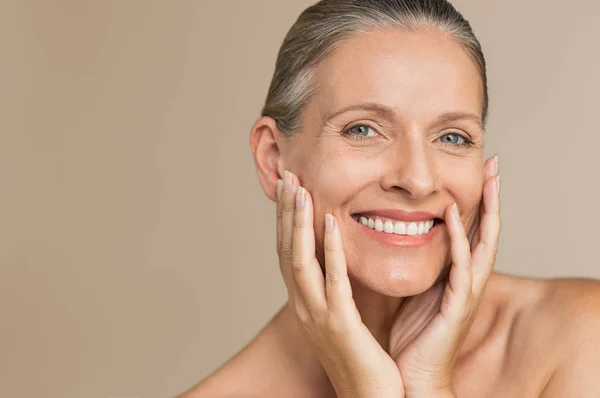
[136, 246]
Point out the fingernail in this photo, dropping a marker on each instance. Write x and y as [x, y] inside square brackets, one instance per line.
[328, 222]
[300, 198]
[287, 181]
[279, 188]
[455, 212]
[498, 184]
[496, 165]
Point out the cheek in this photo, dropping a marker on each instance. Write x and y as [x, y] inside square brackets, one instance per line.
[466, 189]
[334, 178]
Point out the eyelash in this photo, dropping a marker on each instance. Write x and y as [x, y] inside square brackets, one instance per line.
[466, 144]
[357, 137]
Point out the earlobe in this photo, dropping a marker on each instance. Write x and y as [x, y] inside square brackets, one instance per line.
[265, 142]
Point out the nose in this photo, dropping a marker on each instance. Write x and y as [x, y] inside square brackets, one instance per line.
[411, 170]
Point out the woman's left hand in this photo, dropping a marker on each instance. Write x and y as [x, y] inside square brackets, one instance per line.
[431, 327]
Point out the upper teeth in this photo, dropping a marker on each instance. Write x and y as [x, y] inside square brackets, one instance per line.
[397, 227]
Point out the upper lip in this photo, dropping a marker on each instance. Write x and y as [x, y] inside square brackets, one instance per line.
[399, 215]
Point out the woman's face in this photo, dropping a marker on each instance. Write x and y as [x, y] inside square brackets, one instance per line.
[393, 129]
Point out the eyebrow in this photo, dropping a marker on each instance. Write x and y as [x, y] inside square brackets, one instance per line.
[390, 114]
[366, 106]
[458, 115]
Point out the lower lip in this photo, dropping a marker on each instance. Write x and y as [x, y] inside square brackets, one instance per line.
[401, 240]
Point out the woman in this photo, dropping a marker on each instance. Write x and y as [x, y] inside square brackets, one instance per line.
[371, 143]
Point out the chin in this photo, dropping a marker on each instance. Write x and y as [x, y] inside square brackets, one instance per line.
[396, 276]
[398, 264]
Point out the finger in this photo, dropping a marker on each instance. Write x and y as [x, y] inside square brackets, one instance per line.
[285, 221]
[337, 284]
[460, 280]
[490, 169]
[475, 231]
[305, 267]
[484, 256]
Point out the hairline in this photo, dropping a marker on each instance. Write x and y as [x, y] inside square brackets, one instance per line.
[313, 69]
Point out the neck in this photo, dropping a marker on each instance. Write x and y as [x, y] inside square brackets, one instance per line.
[377, 311]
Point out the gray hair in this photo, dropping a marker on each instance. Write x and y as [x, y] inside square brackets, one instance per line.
[321, 28]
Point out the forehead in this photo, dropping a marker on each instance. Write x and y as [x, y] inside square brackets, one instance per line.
[418, 74]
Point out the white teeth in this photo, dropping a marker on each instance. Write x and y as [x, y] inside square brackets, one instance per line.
[412, 229]
[388, 227]
[398, 227]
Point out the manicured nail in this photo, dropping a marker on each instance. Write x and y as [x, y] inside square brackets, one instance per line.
[498, 184]
[455, 213]
[287, 181]
[300, 195]
[496, 165]
[328, 222]
[279, 189]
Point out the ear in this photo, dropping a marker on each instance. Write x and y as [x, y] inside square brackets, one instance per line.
[266, 142]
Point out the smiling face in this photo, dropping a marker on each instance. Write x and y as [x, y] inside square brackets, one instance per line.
[394, 128]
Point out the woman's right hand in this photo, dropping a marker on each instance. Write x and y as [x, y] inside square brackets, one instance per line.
[354, 361]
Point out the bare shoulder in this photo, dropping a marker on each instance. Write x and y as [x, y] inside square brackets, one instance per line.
[222, 383]
[252, 372]
[552, 343]
[238, 377]
[576, 300]
[570, 307]
[556, 331]
[561, 306]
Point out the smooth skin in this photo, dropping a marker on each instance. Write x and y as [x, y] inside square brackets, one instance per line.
[396, 123]
[421, 362]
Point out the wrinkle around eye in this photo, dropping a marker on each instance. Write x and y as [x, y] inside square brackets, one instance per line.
[477, 140]
[331, 129]
[336, 145]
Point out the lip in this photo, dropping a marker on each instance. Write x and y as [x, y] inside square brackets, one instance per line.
[399, 215]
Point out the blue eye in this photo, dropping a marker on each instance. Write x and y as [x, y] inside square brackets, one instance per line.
[454, 139]
[360, 131]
